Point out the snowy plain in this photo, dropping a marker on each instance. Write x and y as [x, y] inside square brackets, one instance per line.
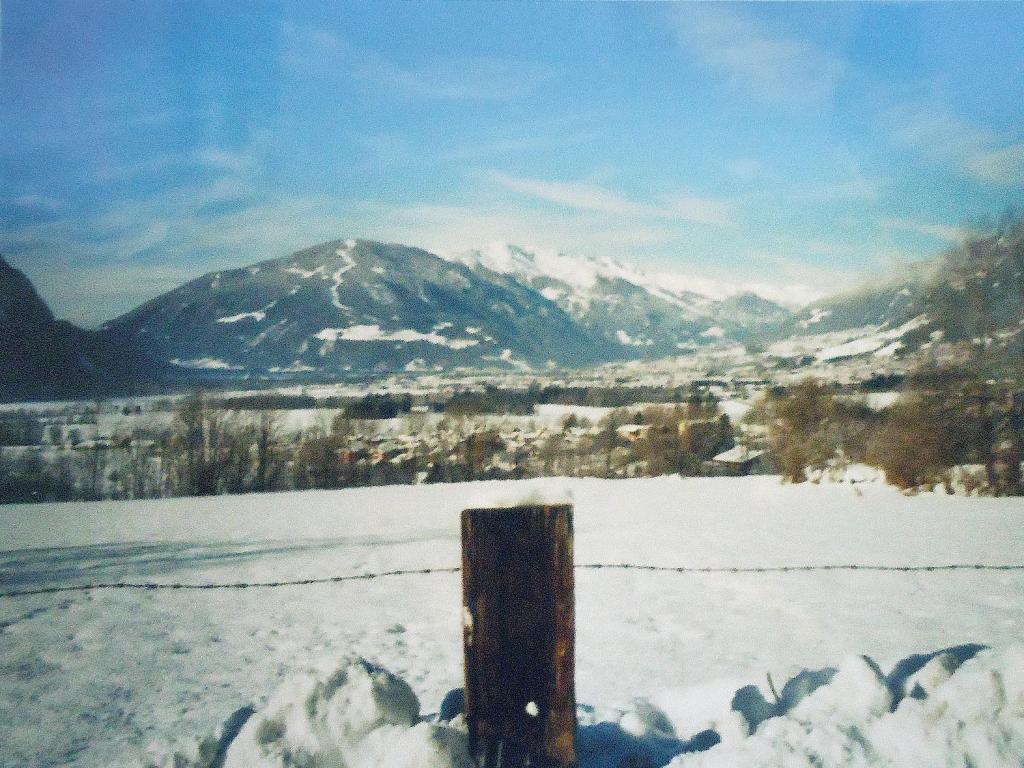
[95, 678]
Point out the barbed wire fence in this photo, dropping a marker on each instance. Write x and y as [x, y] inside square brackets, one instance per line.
[239, 585]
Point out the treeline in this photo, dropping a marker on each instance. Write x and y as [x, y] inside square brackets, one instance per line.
[523, 401]
[945, 419]
[209, 450]
[490, 399]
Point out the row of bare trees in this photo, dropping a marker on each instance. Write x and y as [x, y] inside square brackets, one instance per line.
[210, 450]
[942, 421]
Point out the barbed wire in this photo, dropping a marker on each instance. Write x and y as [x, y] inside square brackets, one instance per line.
[155, 585]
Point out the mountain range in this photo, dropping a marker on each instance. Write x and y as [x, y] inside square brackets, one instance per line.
[362, 307]
[971, 297]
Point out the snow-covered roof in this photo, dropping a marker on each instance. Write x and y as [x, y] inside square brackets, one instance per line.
[738, 455]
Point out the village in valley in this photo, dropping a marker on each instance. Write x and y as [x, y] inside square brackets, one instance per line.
[698, 415]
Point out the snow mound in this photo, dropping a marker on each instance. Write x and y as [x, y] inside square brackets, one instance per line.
[841, 471]
[967, 716]
[521, 495]
[359, 716]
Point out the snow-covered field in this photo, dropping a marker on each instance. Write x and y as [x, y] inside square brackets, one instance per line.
[95, 678]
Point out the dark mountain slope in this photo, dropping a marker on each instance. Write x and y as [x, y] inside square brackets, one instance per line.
[41, 357]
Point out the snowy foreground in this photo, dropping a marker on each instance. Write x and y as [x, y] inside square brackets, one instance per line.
[670, 666]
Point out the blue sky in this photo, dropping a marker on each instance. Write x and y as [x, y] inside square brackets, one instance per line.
[801, 145]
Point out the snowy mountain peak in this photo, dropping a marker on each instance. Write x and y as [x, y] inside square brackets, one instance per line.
[529, 265]
[623, 304]
[358, 305]
[534, 266]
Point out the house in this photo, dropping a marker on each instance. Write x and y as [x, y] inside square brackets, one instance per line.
[739, 460]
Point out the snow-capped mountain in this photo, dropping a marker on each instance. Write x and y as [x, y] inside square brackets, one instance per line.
[361, 305]
[357, 305]
[624, 305]
[971, 295]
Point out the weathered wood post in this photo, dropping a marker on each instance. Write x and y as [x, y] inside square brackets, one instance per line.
[519, 635]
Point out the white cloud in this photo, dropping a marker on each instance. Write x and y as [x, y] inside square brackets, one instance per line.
[582, 195]
[1001, 165]
[938, 231]
[454, 228]
[978, 153]
[586, 196]
[770, 65]
[803, 281]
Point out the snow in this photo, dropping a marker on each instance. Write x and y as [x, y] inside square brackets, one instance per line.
[737, 454]
[817, 315]
[715, 332]
[971, 717]
[554, 413]
[734, 409]
[889, 350]
[582, 276]
[93, 678]
[871, 339]
[338, 278]
[362, 715]
[305, 274]
[883, 343]
[206, 363]
[375, 333]
[259, 315]
[552, 294]
[628, 341]
[297, 366]
[524, 494]
[879, 401]
[359, 715]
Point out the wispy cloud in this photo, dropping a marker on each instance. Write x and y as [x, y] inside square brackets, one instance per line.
[586, 196]
[573, 194]
[217, 159]
[476, 79]
[999, 165]
[700, 210]
[935, 132]
[944, 232]
[220, 159]
[311, 49]
[768, 64]
[747, 168]
[544, 138]
[39, 202]
[814, 280]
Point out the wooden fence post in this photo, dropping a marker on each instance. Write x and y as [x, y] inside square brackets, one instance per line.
[519, 635]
